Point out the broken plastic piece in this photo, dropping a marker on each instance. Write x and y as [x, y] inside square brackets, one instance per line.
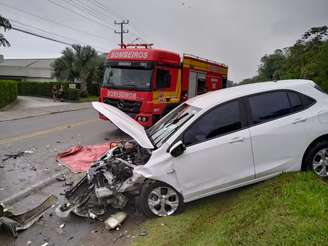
[17, 222]
[115, 220]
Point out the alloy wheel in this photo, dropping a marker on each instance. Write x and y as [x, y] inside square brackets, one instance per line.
[163, 201]
[320, 163]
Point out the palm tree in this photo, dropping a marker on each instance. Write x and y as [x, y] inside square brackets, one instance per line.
[6, 26]
[77, 63]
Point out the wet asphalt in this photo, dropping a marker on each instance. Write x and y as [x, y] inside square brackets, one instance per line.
[43, 137]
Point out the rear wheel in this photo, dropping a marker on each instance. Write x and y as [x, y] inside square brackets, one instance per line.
[159, 199]
[317, 159]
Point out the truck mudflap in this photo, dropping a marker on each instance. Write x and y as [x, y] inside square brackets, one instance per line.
[18, 222]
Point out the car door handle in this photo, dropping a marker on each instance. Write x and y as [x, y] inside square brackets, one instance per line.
[299, 120]
[171, 171]
[236, 140]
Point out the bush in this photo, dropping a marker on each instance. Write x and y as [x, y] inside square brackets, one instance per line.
[44, 89]
[72, 94]
[93, 89]
[8, 92]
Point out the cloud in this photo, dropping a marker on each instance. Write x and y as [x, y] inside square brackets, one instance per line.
[237, 33]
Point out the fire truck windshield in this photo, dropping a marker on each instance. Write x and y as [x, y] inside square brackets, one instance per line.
[128, 77]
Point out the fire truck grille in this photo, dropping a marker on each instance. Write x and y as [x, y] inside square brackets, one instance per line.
[129, 107]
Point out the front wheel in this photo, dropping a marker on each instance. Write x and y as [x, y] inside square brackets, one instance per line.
[159, 199]
[317, 159]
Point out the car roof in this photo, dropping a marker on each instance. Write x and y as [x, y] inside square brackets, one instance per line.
[216, 97]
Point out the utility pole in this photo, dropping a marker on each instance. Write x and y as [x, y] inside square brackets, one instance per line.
[122, 32]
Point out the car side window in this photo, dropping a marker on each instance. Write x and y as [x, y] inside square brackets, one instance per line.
[299, 101]
[269, 106]
[219, 121]
[296, 103]
[307, 101]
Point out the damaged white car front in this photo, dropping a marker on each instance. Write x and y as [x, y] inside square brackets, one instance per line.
[135, 171]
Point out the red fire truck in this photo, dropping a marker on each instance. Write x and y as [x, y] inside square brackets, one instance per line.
[147, 83]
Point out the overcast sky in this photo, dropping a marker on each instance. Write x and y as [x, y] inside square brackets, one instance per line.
[235, 32]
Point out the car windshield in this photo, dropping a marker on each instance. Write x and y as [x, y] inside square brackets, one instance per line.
[168, 125]
[122, 77]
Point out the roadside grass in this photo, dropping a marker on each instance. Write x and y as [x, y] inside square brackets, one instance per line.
[290, 209]
[88, 99]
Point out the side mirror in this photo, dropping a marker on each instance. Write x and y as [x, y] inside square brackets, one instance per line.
[177, 149]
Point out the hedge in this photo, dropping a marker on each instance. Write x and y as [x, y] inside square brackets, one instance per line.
[8, 92]
[44, 89]
[72, 94]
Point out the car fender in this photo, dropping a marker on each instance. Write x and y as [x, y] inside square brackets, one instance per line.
[160, 170]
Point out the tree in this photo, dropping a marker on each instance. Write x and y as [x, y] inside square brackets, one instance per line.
[306, 59]
[5, 24]
[272, 66]
[79, 63]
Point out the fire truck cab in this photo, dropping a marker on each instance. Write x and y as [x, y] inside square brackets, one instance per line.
[147, 83]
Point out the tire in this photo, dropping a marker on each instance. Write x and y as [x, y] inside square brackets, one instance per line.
[316, 159]
[151, 204]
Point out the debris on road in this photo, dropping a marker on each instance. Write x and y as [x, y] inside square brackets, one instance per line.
[79, 159]
[61, 178]
[17, 155]
[18, 222]
[143, 233]
[109, 183]
[115, 220]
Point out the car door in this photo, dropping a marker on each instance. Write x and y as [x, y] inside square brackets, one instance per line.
[281, 130]
[218, 153]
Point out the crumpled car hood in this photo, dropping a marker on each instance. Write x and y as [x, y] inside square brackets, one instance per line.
[125, 123]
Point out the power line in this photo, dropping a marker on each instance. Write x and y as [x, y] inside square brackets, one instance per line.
[122, 31]
[37, 28]
[117, 16]
[54, 22]
[78, 13]
[40, 36]
[53, 34]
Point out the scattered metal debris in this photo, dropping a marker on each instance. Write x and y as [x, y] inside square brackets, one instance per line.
[109, 181]
[17, 155]
[115, 220]
[143, 233]
[18, 222]
[69, 183]
[61, 178]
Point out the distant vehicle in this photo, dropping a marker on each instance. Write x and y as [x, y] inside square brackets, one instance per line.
[213, 143]
[147, 83]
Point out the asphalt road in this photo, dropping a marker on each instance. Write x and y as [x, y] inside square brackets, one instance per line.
[45, 136]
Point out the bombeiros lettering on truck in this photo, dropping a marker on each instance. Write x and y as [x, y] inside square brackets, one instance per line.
[147, 83]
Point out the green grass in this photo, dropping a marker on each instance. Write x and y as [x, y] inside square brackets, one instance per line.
[89, 99]
[291, 209]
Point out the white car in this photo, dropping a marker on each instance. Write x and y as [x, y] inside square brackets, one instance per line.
[223, 140]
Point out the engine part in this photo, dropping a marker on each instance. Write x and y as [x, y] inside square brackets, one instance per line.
[109, 181]
[115, 220]
[103, 192]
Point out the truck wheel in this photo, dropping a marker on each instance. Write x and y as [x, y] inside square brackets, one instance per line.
[317, 159]
[159, 199]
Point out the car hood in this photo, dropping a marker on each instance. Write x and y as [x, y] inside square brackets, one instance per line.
[125, 123]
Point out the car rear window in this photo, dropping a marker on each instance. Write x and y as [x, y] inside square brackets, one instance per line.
[268, 106]
[276, 104]
[296, 103]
